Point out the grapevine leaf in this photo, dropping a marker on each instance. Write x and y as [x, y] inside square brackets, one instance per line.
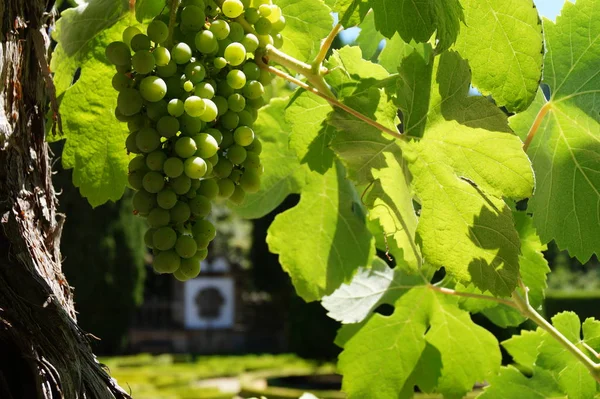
[591, 333]
[419, 20]
[322, 241]
[510, 384]
[310, 136]
[145, 10]
[95, 146]
[308, 21]
[351, 12]
[379, 359]
[369, 38]
[502, 41]
[283, 173]
[565, 151]
[524, 347]
[395, 50]
[370, 287]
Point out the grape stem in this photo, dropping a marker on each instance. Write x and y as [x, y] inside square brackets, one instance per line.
[536, 124]
[325, 46]
[334, 102]
[172, 20]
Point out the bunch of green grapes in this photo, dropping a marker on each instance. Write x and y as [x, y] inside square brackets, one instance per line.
[189, 98]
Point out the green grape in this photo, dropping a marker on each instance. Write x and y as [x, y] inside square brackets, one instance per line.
[237, 32]
[118, 53]
[226, 188]
[192, 18]
[213, 160]
[135, 179]
[264, 10]
[254, 89]
[200, 206]
[129, 102]
[278, 25]
[130, 144]
[166, 198]
[191, 194]
[236, 154]
[255, 147]
[181, 184]
[223, 168]
[119, 115]
[224, 90]
[195, 72]
[137, 163]
[210, 111]
[236, 79]
[227, 139]
[188, 86]
[278, 40]
[155, 160]
[256, 102]
[204, 90]
[222, 46]
[173, 167]
[204, 229]
[201, 254]
[164, 238]
[220, 29]
[232, 8]
[275, 13]
[238, 195]
[158, 31]
[221, 104]
[235, 54]
[208, 188]
[250, 181]
[251, 70]
[140, 42]
[265, 40]
[220, 62]
[189, 269]
[243, 136]
[209, 170]
[167, 126]
[186, 247]
[147, 139]
[206, 144]
[185, 147]
[263, 26]
[252, 15]
[197, 3]
[129, 33]
[245, 118]
[156, 110]
[181, 53]
[175, 108]
[136, 122]
[123, 68]
[143, 62]
[175, 87]
[195, 184]
[120, 81]
[265, 77]
[252, 161]
[194, 106]
[167, 71]
[230, 120]
[235, 176]
[153, 88]
[191, 125]
[153, 182]
[180, 213]
[252, 111]
[148, 237]
[179, 275]
[194, 167]
[166, 262]
[162, 56]
[217, 135]
[206, 42]
[143, 202]
[250, 42]
[158, 217]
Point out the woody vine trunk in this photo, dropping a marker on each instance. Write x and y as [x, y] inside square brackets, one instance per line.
[43, 353]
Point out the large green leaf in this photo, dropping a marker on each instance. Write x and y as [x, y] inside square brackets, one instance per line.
[380, 358]
[351, 12]
[511, 384]
[524, 347]
[95, 146]
[418, 20]
[324, 239]
[283, 173]
[145, 10]
[463, 161]
[566, 149]
[308, 21]
[369, 38]
[502, 41]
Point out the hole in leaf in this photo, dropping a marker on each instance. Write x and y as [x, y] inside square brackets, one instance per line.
[76, 76]
[387, 258]
[546, 91]
[438, 276]
[401, 125]
[385, 309]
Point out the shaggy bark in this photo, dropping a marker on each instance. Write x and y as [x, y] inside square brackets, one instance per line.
[43, 354]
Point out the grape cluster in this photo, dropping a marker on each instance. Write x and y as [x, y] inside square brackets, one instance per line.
[190, 98]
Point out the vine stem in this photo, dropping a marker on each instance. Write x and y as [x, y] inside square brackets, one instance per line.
[325, 46]
[172, 20]
[334, 102]
[536, 124]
